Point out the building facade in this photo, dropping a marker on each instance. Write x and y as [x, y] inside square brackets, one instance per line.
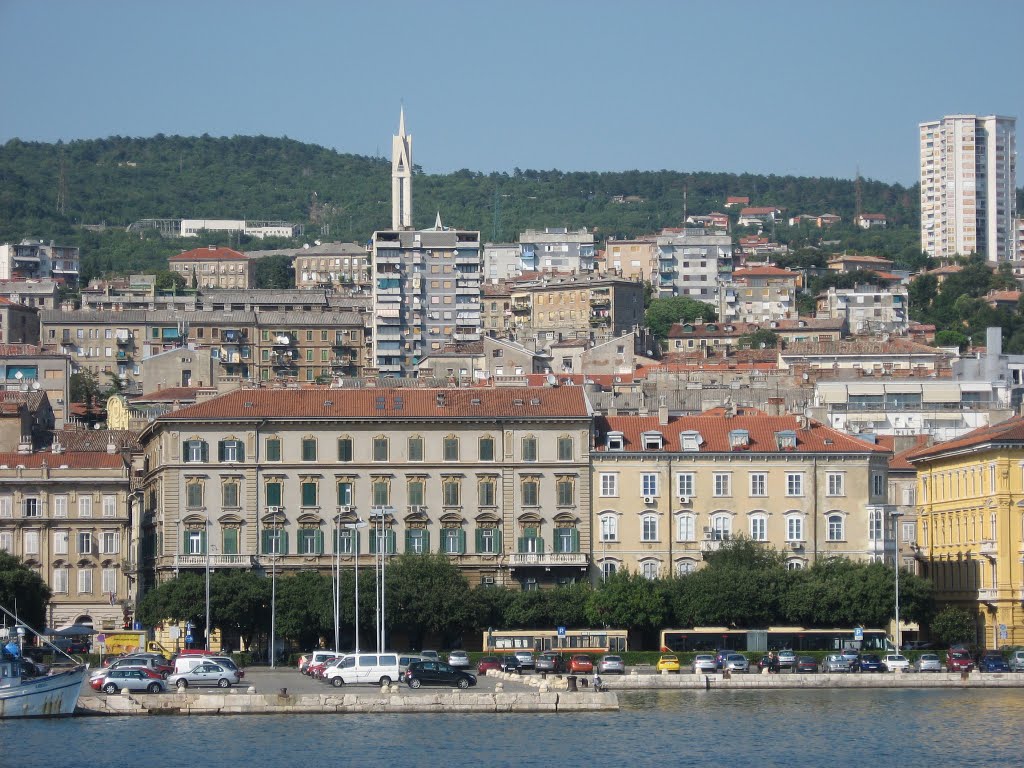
[213, 267]
[759, 295]
[19, 324]
[690, 264]
[557, 249]
[632, 259]
[497, 479]
[968, 186]
[36, 260]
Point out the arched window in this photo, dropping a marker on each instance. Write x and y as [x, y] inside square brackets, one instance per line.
[649, 528]
[649, 569]
[721, 527]
[685, 527]
[835, 528]
[608, 568]
[609, 527]
[794, 565]
[794, 527]
[759, 527]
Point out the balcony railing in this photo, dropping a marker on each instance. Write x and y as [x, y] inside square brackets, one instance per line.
[216, 561]
[987, 548]
[547, 559]
[987, 594]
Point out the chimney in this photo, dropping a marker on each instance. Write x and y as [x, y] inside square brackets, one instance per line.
[993, 351]
[776, 406]
[663, 411]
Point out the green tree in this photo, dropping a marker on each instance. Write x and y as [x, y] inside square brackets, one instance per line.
[21, 588]
[273, 272]
[953, 625]
[305, 609]
[169, 281]
[627, 600]
[427, 595]
[84, 387]
[663, 313]
[762, 338]
[238, 604]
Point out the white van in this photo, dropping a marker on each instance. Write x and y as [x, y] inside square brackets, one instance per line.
[365, 669]
[187, 663]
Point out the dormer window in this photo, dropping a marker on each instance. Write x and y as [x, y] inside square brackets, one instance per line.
[616, 441]
[652, 441]
[739, 440]
[690, 440]
[786, 440]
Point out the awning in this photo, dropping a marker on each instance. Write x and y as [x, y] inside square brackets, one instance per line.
[832, 395]
[943, 416]
[975, 386]
[866, 389]
[940, 393]
[903, 389]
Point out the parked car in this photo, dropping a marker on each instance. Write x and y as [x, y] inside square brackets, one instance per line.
[526, 660]
[928, 662]
[668, 663]
[160, 665]
[131, 679]
[1017, 661]
[787, 658]
[806, 665]
[993, 661]
[459, 659]
[437, 673]
[227, 661]
[870, 663]
[366, 669]
[315, 658]
[581, 664]
[72, 645]
[487, 664]
[851, 657]
[205, 673]
[894, 661]
[917, 645]
[550, 662]
[959, 659]
[511, 664]
[835, 663]
[737, 662]
[703, 663]
[430, 655]
[611, 664]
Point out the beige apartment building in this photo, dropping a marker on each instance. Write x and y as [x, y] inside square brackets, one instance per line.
[632, 259]
[213, 267]
[759, 295]
[668, 490]
[497, 479]
[331, 265]
[67, 516]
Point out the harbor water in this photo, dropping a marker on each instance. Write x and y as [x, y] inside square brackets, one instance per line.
[793, 728]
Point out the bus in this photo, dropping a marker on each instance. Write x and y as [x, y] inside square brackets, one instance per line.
[773, 639]
[594, 641]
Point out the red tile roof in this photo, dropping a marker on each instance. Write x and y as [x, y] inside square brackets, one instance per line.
[899, 461]
[758, 211]
[96, 440]
[168, 395]
[218, 253]
[393, 402]
[1009, 431]
[19, 350]
[71, 460]
[734, 200]
[763, 271]
[714, 429]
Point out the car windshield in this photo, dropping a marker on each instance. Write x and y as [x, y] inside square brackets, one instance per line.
[612, 658]
[704, 657]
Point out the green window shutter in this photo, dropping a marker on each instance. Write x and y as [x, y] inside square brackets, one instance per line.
[479, 540]
[373, 543]
[497, 541]
[241, 451]
[220, 450]
[408, 541]
[575, 540]
[522, 543]
[184, 542]
[318, 539]
[558, 542]
[266, 542]
[206, 452]
[184, 450]
[540, 544]
[309, 494]
[231, 541]
[202, 542]
[283, 548]
[391, 543]
[273, 494]
[462, 542]
[426, 542]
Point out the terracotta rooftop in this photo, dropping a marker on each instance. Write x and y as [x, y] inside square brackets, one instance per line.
[763, 210]
[96, 440]
[168, 395]
[714, 428]
[69, 459]
[211, 253]
[389, 403]
[20, 350]
[897, 346]
[899, 462]
[1009, 431]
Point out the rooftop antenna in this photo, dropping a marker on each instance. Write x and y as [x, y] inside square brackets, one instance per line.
[858, 194]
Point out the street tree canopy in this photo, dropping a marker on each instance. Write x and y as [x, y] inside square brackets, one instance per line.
[23, 590]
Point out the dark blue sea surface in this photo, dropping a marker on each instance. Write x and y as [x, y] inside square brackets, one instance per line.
[662, 728]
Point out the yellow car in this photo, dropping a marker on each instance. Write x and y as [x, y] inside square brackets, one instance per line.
[668, 664]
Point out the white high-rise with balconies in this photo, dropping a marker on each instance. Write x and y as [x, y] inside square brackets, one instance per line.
[968, 186]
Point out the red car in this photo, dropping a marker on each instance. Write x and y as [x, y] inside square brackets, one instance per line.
[99, 678]
[488, 663]
[581, 664]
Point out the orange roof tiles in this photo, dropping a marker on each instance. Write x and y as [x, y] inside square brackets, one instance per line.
[714, 429]
[1009, 431]
[168, 395]
[71, 460]
[390, 403]
[219, 253]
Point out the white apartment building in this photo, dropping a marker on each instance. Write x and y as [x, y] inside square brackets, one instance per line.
[557, 249]
[690, 262]
[968, 186]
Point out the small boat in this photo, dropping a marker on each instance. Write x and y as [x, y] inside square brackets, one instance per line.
[24, 694]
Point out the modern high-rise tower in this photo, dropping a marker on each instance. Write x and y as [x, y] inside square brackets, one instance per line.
[401, 177]
[968, 186]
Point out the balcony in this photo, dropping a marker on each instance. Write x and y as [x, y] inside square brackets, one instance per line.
[123, 355]
[341, 362]
[987, 595]
[283, 360]
[600, 320]
[123, 338]
[284, 339]
[216, 561]
[987, 548]
[547, 559]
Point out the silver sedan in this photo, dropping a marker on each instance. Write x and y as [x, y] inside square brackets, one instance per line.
[737, 662]
[928, 662]
[704, 663]
[129, 679]
[611, 664]
[206, 673]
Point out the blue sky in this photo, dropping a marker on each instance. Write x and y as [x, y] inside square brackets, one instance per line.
[806, 88]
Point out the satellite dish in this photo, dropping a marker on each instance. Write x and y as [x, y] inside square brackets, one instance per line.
[316, 242]
[19, 375]
[306, 246]
[35, 385]
[552, 381]
[96, 426]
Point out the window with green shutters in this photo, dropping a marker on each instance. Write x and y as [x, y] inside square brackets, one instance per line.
[272, 492]
[382, 541]
[345, 493]
[229, 541]
[229, 493]
[565, 449]
[454, 541]
[346, 541]
[274, 542]
[486, 493]
[194, 494]
[567, 540]
[309, 493]
[487, 448]
[415, 448]
[273, 449]
[381, 493]
[344, 449]
[531, 492]
[529, 449]
[311, 541]
[452, 492]
[195, 543]
[380, 449]
[415, 490]
[488, 541]
[195, 451]
[530, 542]
[417, 541]
[309, 449]
[566, 491]
[230, 450]
[451, 448]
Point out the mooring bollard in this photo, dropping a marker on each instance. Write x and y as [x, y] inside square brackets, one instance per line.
[707, 683]
[571, 680]
[283, 692]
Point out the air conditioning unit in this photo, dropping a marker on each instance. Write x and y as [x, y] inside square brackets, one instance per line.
[796, 545]
[487, 580]
[707, 535]
[344, 509]
[707, 529]
[415, 509]
[273, 510]
[684, 499]
[649, 499]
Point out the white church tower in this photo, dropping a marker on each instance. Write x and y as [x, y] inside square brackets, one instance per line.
[401, 177]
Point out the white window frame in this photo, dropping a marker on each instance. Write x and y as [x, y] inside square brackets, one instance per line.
[648, 528]
[110, 506]
[195, 543]
[794, 483]
[759, 521]
[609, 527]
[61, 542]
[794, 527]
[85, 581]
[609, 484]
[722, 484]
[721, 526]
[30, 542]
[6, 505]
[686, 484]
[86, 537]
[648, 484]
[650, 569]
[108, 581]
[60, 580]
[686, 527]
[876, 525]
[109, 544]
[31, 507]
[7, 541]
[85, 506]
[829, 534]
[685, 567]
[836, 484]
[60, 505]
[758, 483]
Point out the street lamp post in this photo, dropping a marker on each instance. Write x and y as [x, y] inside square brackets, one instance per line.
[379, 515]
[355, 527]
[273, 600]
[896, 515]
[336, 582]
[206, 549]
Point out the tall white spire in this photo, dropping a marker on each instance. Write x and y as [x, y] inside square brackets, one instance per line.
[401, 176]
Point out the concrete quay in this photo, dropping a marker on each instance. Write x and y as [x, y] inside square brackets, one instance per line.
[658, 681]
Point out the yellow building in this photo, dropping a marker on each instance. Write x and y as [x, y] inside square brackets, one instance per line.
[970, 502]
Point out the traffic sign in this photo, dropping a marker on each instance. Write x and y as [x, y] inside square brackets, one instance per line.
[1002, 632]
[561, 631]
[858, 633]
[174, 632]
[188, 638]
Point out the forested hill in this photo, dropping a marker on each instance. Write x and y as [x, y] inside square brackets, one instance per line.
[47, 189]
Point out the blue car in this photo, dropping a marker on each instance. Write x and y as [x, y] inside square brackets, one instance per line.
[871, 663]
[993, 662]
